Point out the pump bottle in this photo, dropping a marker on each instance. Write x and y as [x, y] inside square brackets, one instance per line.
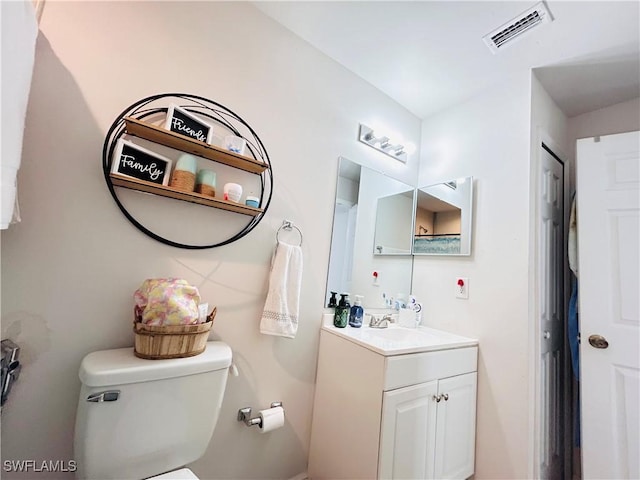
[356, 313]
[341, 317]
[333, 301]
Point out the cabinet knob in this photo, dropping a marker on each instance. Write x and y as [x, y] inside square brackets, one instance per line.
[445, 396]
[437, 398]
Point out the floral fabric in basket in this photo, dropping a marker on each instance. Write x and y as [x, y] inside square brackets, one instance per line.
[167, 301]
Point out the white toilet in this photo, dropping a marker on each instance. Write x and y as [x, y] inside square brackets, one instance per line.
[140, 419]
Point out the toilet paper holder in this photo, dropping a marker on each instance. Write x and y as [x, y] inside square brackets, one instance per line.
[244, 415]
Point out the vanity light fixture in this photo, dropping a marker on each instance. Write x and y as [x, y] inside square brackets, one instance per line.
[382, 144]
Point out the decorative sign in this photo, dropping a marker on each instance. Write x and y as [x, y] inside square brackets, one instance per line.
[132, 160]
[185, 123]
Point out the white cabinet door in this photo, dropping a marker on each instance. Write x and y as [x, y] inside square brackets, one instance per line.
[408, 432]
[428, 430]
[456, 427]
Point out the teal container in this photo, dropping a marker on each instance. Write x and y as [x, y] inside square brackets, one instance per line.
[187, 163]
[206, 177]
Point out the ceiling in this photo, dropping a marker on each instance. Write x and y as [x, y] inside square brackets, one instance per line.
[429, 55]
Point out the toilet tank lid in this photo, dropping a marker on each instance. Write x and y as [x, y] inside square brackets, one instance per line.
[120, 366]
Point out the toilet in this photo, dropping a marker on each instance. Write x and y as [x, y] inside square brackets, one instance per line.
[146, 419]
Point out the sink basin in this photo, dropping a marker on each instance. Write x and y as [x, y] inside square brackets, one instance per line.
[396, 340]
[399, 334]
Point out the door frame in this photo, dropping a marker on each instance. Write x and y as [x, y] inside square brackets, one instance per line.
[542, 137]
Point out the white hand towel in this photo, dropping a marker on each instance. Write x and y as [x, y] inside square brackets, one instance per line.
[280, 315]
[19, 34]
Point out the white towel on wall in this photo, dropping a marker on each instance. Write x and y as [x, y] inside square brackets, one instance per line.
[19, 34]
[280, 315]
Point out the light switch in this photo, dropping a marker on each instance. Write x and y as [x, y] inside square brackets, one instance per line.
[462, 288]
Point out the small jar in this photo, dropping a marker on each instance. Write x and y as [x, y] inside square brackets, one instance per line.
[235, 144]
[206, 182]
[232, 192]
[184, 175]
[251, 201]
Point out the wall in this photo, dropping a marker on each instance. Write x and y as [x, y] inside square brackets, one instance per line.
[70, 268]
[487, 137]
[447, 222]
[618, 118]
[424, 218]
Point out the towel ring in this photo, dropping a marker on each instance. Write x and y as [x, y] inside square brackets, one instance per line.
[287, 225]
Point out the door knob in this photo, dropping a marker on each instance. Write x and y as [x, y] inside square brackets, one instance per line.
[598, 341]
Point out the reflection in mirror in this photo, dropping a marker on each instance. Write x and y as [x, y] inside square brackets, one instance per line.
[352, 260]
[443, 218]
[394, 219]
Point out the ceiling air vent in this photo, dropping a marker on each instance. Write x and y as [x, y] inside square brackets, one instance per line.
[504, 35]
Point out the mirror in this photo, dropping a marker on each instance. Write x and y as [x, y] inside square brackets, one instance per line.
[443, 218]
[362, 221]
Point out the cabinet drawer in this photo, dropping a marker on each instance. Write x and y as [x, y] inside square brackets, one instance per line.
[411, 369]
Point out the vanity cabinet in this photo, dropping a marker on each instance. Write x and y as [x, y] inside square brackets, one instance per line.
[403, 416]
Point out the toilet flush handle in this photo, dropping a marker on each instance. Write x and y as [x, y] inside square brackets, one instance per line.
[106, 396]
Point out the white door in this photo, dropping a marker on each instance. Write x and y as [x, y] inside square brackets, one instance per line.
[408, 432]
[551, 308]
[608, 206]
[456, 427]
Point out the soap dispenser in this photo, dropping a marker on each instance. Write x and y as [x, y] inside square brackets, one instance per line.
[355, 316]
[341, 317]
[333, 301]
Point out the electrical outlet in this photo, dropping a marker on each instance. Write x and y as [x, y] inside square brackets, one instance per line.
[462, 288]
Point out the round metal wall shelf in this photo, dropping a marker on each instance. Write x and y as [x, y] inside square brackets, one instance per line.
[144, 115]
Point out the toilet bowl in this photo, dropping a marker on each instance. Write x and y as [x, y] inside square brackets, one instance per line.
[138, 418]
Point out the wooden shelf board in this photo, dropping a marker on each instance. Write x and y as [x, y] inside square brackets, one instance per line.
[167, 138]
[193, 197]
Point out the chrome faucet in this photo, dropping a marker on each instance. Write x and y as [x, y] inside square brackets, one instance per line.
[379, 322]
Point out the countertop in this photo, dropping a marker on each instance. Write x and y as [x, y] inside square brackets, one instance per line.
[397, 340]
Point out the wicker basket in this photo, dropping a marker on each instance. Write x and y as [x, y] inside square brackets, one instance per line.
[171, 341]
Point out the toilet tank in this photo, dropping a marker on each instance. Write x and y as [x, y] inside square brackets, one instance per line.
[137, 418]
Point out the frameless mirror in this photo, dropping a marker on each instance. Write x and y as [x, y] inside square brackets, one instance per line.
[361, 221]
[443, 218]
